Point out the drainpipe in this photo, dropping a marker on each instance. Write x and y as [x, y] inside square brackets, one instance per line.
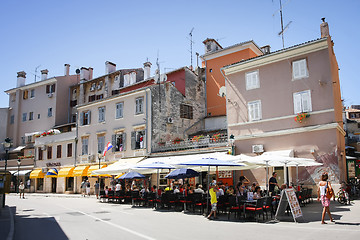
[206, 113]
[146, 121]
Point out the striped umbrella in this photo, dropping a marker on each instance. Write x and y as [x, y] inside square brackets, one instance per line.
[53, 172]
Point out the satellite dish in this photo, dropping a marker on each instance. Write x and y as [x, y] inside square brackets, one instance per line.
[77, 71]
[222, 92]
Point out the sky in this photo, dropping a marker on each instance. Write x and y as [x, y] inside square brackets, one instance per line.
[86, 33]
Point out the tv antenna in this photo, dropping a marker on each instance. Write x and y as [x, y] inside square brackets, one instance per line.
[283, 29]
[191, 46]
[36, 71]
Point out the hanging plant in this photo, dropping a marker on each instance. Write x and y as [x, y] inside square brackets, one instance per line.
[177, 140]
[301, 116]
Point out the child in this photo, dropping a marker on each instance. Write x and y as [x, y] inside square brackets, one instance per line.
[213, 190]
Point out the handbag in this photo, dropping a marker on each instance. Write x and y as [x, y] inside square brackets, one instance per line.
[329, 193]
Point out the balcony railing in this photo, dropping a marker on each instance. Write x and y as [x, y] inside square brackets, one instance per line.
[191, 143]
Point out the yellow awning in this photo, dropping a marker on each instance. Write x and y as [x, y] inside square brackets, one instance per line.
[119, 175]
[96, 167]
[37, 173]
[81, 171]
[66, 172]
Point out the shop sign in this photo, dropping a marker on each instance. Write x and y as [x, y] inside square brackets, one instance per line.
[54, 164]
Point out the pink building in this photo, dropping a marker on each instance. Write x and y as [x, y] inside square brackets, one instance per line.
[289, 100]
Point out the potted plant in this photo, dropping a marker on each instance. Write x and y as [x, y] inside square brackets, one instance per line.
[301, 116]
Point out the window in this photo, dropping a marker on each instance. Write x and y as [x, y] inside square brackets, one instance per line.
[252, 80]
[254, 109]
[50, 88]
[138, 139]
[40, 152]
[31, 116]
[29, 139]
[85, 146]
[186, 111]
[49, 152]
[50, 113]
[119, 110]
[85, 118]
[302, 102]
[58, 151]
[139, 105]
[39, 116]
[23, 140]
[101, 114]
[299, 69]
[12, 119]
[24, 116]
[69, 150]
[32, 93]
[119, 142]
[101, 143]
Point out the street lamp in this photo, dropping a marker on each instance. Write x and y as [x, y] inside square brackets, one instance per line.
[99, 157]
[7, 145]
[18, 180]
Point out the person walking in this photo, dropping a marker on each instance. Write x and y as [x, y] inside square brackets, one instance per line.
[87, 184]
[97, 189]
[22, 189]
[325, 202]
[213, 199]
[83, 187]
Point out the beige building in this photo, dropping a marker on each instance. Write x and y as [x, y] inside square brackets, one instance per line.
[289, 100]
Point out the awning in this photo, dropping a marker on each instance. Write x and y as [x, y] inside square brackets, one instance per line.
[37, 173]
[81, 171]
[53, 172]
[18, 149]
[96, 167]
[21, 172]
[66, 172]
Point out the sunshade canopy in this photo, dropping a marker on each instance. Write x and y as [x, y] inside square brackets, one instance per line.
[66, 172]
[182, 173]
[81, 171]
[132, 175]
[37, 173]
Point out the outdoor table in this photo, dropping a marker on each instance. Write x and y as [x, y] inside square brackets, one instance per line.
[250, 202]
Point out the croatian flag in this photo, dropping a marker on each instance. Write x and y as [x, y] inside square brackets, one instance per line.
[107, 148]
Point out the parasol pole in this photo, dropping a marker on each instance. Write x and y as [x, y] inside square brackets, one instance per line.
[267, 175]
[297, 176]
[208, 190]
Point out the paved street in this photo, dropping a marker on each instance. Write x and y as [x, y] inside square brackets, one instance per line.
[55, 217]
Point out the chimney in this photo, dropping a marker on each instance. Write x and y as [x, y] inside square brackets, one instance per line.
[211, 45]
[265, 49]
[21, 77]
[67, 69]
[91, 70]
[324, 29]
[147, 67]
[44, 74]
[109, 67]
[84, 74]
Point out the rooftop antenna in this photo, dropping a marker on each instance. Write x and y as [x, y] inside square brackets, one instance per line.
[283, 29]
[191, 46]
[36, 70]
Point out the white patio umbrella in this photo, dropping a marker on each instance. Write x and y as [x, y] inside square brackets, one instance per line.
[209, 162]
[154, 165]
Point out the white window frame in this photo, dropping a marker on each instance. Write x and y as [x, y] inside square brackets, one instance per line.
[101, 114]
[139, 105]
[299, 69]
[252, 80]
[302, 102]
[85, 146]
[254, 110]
[119, 112]
[101, 143]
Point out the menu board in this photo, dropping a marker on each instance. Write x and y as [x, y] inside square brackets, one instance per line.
[225, 174]
[288, 198]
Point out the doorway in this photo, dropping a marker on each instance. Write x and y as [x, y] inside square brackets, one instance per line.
[53, 185]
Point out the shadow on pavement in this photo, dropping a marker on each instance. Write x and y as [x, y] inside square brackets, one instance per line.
[37, 228]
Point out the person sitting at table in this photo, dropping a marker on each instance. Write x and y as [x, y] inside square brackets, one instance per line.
[230, 190]
[241, 190]
[257, 193]
[244, 180]
[220, 192]
[199, 189]
[176, 189]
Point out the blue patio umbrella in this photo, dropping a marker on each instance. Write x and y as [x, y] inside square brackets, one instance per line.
[53, 172]
[182, 173]
[132, 175]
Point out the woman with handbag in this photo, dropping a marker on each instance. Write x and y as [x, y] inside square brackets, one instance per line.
[324, 194]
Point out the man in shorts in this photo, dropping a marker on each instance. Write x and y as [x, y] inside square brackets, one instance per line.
[213, 200]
